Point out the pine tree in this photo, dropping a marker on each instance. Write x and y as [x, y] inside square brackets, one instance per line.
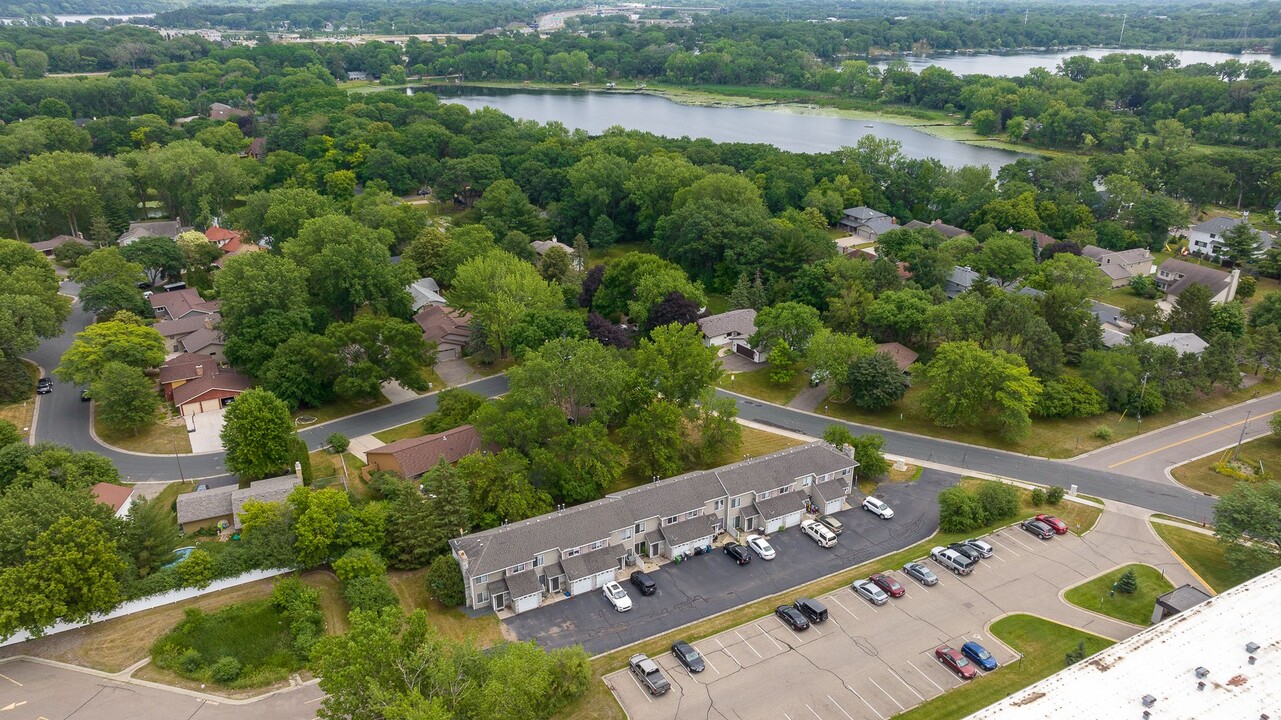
[604, 232]
[580, 252]
[740, 296]
[100, 233]
[1128, 583]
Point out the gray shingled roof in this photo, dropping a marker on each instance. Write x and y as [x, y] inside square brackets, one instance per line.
[776, 470]
[205, 504]
[690, 530]
[270, 490]
[1215, 280]
[1217, 226]
[553, 570]
[827, 491]
[523, 584]
[590, 563]
[1184, 343]
[741, 321]
[673, 496]
[749, 510]
[862, 212]
[497, 586]
[1183, 597]
[777, 506]
[1116, 272]
[881, 225]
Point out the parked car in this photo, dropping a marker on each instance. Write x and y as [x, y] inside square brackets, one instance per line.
[819, 533]
[877, 508]
[868, 590]
[967, 551]
[952, 560]
[651, 677]
[686, 655]
[920, 573]
[44, 386]
[836, 526]
[617, 596]
[792, 617]
[201, 487]
[644, 582]
[1038, 528]
[1058, 525]
[979, 656]
[984, 548]
[812, 609]
[84, 395]
[738, 552]
[760, 546]
[888, 584]
[953, 660]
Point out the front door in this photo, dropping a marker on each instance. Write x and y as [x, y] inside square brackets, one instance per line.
[553, 584]
[500, 601]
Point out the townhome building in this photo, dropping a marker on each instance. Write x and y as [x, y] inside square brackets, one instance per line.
[579, 549]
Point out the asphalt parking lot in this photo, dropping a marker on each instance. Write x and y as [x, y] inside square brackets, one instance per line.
[865, 662]
[709, 584]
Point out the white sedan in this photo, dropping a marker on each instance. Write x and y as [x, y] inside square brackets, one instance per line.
[617, 596]
[877, 508]
[761, 547]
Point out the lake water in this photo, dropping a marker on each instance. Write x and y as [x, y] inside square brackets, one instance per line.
[1020, 64]
[597, 111]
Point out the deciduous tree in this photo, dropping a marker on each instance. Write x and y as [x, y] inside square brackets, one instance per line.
[126, 398]
[256, 434]
[123, 339]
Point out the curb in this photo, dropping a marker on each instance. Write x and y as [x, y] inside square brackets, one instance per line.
[35, 406]
[1063, 595]
[1182, 562]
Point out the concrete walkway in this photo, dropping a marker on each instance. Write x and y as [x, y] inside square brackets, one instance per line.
[207, 437]
[397, 393]
[808, 399]
[360, 445]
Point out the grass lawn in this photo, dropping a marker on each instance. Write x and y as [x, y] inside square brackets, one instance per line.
[337, 409]
[501, 365]
[166, 436]
[755, 443]
[596, 256]
[1042, 643]
[1199, 476]
[20, 413]
[324, 464]
[1204, 555]
[451, 622]
[169, 496]
[757, 384]
[1133, 608]
[1052, 438]
[400, 432]
[717, 304]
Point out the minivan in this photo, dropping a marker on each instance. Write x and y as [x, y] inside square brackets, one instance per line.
[811, 609]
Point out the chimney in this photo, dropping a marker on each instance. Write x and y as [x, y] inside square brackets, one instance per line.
[200, 371]
[298, 470]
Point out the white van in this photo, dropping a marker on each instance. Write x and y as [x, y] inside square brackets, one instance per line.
[819, 533]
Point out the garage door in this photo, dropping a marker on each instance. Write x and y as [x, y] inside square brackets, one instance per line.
[581, 585]
[602, 578]
[689, 546]
[788, 520]
[529, 602]
[210, 405]
[832, 506]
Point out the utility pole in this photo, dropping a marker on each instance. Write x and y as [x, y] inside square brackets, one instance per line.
[1237, 450]
[1121, 39]
[1142, 392]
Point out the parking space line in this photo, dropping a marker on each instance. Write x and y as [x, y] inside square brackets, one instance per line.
[1020, 542]
[838, 707]
[891, 697]
[771, 637]
[749, 645]
[900, 679]
[727, 653]
[788, 717]
[927, 677]
[838, 602]
[15, 682]
[1003, 545]
[868, 704]
[807, 707]
[643, 691]
[708, 661]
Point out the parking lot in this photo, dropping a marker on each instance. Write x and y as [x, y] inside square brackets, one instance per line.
[709, 584]
[866, 661]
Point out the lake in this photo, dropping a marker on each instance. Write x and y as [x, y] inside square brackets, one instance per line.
[1019, 64]
[796, 131]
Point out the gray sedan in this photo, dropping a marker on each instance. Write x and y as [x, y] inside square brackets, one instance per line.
[920, 573]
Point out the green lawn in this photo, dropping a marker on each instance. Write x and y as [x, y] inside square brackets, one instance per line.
[169, 496]
[337, 409]
[166, 436]
[254, 633]
[400, 432]
[1204, 555]
[1133, 608]
[757, 384]
[1200, 476]
[1043, 645]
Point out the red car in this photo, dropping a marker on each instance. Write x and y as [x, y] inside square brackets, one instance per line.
[956, 662]
[888, 584]
[1059, 526]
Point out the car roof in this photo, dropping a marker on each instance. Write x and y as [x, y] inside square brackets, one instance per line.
[873, 499]
[683, 646]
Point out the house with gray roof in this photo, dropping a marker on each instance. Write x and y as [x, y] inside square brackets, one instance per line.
[1206, 238]
[425, 291]
[1116, 331]
[731, 330]
[1120, 266]
[947, 231]
[579, 549]
[866, 222]
[1183, 343]
[1174, 276]
[205, 508]
[151, 228]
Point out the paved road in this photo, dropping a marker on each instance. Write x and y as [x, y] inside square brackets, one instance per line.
[1151, 456]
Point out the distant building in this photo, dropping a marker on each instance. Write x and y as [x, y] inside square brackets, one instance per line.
[960, 280]
[153, 228]
[208, 508]
[1116, 331]
[866, 222]
[182, 303]
[425, 291]
[902, 355]
[1041, 240]
[947, 231]
[222, 112]
[174, 331]
[1184, 343]
[448, 328]
[1175, 276]
[46, 247]
[732, 330]
[542, 246]
[257, 149]
[119, 497]
[1120, 266]
[1207, 237]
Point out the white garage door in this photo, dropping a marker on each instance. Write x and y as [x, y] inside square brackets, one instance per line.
[689, 546]
[529, 602]
[210, 405]
[581, 585]
[602, 578]
[832, 506]
[788, 520]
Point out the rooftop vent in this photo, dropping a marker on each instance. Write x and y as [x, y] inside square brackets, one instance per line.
[1146, 715]
[1253, 659]
[1148, 701]
[1202, 672]
[1252, 648]
[1200, 685]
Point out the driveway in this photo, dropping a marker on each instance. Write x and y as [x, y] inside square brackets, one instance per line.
[870, 663]
[207, 437]
[709, 584]
[456, 372]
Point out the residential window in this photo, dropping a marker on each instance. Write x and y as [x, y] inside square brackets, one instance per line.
[807, 481]
[785, 489]
[672, 519]
[640, 527]
[598, 544]
[538, 561]
[481, 598]
[570, 552]
[691, 514]
[627, 532]
[720, 504]
[519, 568]
[735, 502]
[762, 496]
[482, 579]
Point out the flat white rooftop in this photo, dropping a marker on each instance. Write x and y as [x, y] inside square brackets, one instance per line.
[1162, 662]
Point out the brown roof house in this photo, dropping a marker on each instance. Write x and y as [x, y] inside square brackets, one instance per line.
[205, 508]
[1175, 276]
[223, 112]
[150, 228]
[448, 328]
[46, 247]
[174, 331]
[119, 497]
[1120, 266]
[412, 457]
[205, 388]
[181, 303]
[903, 355]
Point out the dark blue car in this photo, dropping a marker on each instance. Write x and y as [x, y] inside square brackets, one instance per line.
[979, 656]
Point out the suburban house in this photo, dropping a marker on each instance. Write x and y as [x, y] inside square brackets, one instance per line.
[960, 280]
[412, 457]
[1040, 239]
[174, 331]
[196, 387]
[902, 355]
[1121, 266]
[208, 508]
[732, 330]
[46, 247]
[425, 292]
[178, 304]
[119, 497]
[1174, 276]
[181, 368]
[231, 242]
[1207, 237]
[1116, 331]
[866, 223]
[152, 228]
[579, 549]
[206, 341]
[448, 328]
[1184, 343]
[257, 149]
[542, 246]
[942, 228]
[222, 112]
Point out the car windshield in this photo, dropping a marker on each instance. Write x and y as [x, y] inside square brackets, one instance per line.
[982, 654]
[875, 502]
[960, 660]
[687, 652]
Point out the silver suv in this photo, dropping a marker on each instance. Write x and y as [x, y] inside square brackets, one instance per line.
[952, 560]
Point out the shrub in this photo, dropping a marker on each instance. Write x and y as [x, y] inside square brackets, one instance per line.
[1038, 497]
[571, 671]
[16, 384]
[1069, 396]
[369, 594]
[191, 662]
[337, 443]
[1055, 495]
[1102, 432]
[225, 671]
[1128, 583]
[300, 605]
[9, 433]
[302, 456]
[959, 511]
[359, 563]
[445, 581]
[197, 570]
[1075, 655]
[999, 501]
